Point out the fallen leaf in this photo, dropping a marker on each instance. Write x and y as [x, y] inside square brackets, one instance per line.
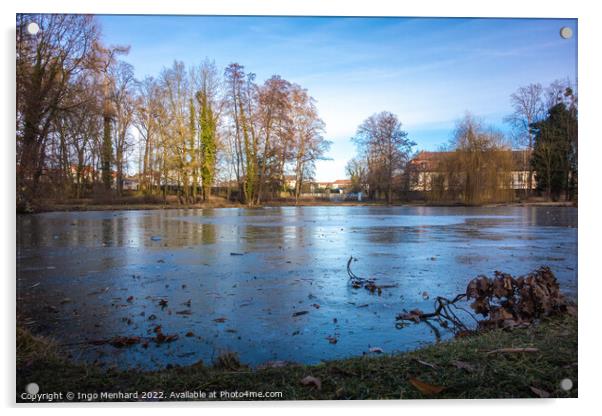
[161, 337]
[184, 312]
[119, 342]
[310, 380]
[539, 392]
[332, 339]
[300, 313]
[99, 291]
[425, 388]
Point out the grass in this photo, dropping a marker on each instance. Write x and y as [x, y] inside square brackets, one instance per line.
[510, 375]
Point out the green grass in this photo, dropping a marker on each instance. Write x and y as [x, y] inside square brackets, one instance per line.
[508, 375]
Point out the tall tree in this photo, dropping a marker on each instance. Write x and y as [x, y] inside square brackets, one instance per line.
[527, 103]
[209, 113]
[555, 154]
[480, 164]
[273, 112]
[309, 143]
[242, 97]
[386, 147]
[122, 82]
[146, 120]
[47, 63]
[176, 128]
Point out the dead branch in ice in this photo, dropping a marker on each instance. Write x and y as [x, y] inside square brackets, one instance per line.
[358, 282]
[505, 301]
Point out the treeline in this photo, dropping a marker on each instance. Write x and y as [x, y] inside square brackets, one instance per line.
[477, 165]
[84, 121]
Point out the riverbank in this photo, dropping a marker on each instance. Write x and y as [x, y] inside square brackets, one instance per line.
[457, 369]
[223, 203]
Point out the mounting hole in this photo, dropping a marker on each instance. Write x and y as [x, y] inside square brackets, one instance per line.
[32, 388]
[566, 32]
[33, 28]
[566, 384]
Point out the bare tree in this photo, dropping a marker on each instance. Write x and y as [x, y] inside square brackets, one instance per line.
[385, 147]
[146, 119]
[309, 144]
[528, 106]
[47, 63]
[122, 75]
[357, 171]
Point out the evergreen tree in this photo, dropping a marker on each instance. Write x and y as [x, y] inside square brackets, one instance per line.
[555, 152]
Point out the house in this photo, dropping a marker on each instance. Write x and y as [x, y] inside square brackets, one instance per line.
[86, 172]
[290, 181]
[323, 185]
[339, 186]
[424, 169]
[342, 184]
[131, 183]
[521, 160]
[426, 166]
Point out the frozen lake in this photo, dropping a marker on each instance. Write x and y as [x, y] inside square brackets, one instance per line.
[234, 278]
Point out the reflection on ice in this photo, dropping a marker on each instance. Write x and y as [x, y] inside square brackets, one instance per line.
[76, 272]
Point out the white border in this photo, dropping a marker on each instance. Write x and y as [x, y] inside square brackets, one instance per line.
[590, 96]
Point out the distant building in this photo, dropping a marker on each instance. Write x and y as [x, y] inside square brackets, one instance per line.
[290, 181]
[426, 166]
[424, 169]
[131, 184]
[323, 185]
[521, 159]
[338, 186]
[343, 184]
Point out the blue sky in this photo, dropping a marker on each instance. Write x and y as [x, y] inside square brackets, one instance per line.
[428, 71]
